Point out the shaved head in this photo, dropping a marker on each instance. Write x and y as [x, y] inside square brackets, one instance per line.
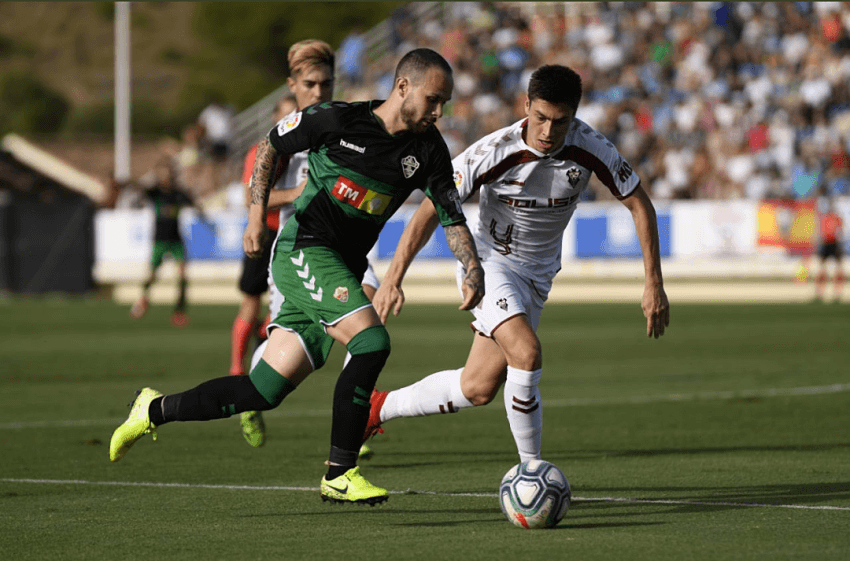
[416, 64]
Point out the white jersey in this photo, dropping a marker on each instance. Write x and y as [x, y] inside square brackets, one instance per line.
[295, 173]
[527, 197]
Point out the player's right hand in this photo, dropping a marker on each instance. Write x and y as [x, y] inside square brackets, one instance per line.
[254, 239]
[388, 297]
[473, 288]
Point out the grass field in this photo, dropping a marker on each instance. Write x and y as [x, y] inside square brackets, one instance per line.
[729, 438]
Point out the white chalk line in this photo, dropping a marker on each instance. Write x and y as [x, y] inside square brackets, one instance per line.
[721, 395]
[411, 492]
[574, 402]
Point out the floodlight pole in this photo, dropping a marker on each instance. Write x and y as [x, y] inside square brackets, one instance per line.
[122, 91]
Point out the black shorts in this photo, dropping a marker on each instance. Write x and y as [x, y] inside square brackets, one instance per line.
[255, 272]
[831, 249]
[218, 151]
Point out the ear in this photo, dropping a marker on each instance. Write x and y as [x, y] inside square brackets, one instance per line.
[403, 86]
[290, 83]
[527, 105]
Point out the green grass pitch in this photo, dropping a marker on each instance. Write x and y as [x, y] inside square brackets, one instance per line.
[729, 438]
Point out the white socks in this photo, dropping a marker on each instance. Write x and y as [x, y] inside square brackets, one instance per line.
[437, 393]
[441, 393]
[525, 411]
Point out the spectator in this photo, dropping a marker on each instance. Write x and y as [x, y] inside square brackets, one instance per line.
[351, 56]
[692, 76]
[216, 127]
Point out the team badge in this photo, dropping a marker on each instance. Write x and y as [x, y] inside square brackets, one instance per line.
[502, 303]
[341, 294]
[289, 123]
[574, 176]
[458, 177]
[409, 165]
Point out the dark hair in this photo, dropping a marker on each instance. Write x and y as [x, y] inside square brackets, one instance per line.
[418, 61]
[556, 84]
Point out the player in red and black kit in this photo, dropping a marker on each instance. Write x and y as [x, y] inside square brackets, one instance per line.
[830, 246]
[311, 69]
[254, 281]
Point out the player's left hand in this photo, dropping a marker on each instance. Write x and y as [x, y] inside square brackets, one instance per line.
[656, 309]
[473, 288]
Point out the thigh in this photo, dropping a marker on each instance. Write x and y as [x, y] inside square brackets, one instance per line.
[285, 353]
[315, 290]
[158, 253]
[485, 369]
[311, 336]
[177, 250]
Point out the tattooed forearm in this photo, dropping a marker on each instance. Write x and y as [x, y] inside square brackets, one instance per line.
[463, 246]
[263, 175]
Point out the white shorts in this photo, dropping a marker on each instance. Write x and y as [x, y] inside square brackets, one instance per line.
[506, 294]
[276, 299]
[370, 278]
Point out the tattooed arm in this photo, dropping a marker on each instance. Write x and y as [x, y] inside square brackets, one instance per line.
[463, 246]
[262, 179]
[390, 296]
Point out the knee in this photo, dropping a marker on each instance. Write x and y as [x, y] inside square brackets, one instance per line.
[370, 340]
[480, 392]
[527, 357]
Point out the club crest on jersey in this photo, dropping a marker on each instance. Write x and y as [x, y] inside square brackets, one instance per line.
[360, 197]
[289, 123]
[341, 294]
[573, 176]
[409, 165]
[458, 177]
[502, 303]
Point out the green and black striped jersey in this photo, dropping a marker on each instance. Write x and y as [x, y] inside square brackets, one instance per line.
[359, 175]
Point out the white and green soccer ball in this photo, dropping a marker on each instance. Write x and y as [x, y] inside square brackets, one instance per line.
[535, 494]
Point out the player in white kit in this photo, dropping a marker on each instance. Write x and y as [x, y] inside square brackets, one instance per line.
[529, 175]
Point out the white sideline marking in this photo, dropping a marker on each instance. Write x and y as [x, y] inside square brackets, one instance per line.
[734, 394]
[410, 492]
[638, 399]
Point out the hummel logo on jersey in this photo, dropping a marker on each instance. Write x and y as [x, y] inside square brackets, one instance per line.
[574, 176]
[360, 197]
[409, 165]
[351, 146]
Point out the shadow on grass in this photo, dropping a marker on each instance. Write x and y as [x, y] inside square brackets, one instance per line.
[778, 494]
[569, 454]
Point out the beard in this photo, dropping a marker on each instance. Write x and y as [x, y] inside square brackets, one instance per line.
[408, 117]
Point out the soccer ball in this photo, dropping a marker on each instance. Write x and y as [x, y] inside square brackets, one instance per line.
[535, 494]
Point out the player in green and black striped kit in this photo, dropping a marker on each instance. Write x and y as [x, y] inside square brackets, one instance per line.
[167, 199]
[365, 159]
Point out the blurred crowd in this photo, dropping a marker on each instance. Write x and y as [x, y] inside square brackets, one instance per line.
[707, 100]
